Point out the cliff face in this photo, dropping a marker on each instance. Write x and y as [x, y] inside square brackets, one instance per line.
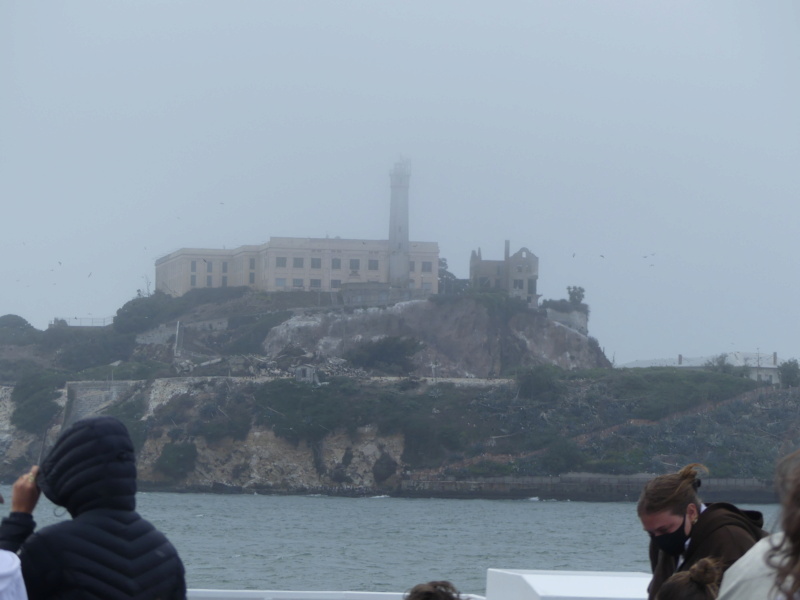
[262, 461]
[463, 338]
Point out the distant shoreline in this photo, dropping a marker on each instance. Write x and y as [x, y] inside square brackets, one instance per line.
[573, 487]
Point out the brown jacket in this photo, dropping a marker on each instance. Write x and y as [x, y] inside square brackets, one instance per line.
[722, 531]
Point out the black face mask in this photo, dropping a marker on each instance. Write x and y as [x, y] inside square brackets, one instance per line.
[673, 543]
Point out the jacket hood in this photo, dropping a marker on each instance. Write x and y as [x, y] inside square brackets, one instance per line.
[91, 466]
[722, 514]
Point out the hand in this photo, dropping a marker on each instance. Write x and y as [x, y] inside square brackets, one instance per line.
[25, 493]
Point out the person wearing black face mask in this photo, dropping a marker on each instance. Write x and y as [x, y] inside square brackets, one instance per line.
[683, 530]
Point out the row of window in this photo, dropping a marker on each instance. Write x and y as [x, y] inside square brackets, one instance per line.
[209, 282]
[314, 284]
[210, 266]
[298, 262]
[281, 282]
[224, 281]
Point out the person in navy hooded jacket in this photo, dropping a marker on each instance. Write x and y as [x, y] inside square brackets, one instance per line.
[106, 551]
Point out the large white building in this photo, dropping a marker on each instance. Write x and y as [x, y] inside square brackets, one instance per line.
[313, 264]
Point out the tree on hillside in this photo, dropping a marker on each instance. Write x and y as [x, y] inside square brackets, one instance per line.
[720, 364]
[575, 303]
[16, 331]
[449, 283]
[145, 312]
[789, 371]
[576, 294]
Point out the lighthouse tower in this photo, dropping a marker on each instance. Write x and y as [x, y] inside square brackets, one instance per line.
[398, 226]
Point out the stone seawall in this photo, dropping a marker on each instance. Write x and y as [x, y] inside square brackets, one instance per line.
[588, 488]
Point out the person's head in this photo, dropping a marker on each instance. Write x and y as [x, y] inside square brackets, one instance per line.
[433, 590]
[786, 557]
[90, 466]
[700, 582]
[669, 507]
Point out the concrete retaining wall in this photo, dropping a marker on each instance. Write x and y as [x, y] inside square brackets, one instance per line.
[87, 398]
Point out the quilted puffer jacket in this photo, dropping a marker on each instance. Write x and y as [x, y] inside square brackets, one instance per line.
[106, 551]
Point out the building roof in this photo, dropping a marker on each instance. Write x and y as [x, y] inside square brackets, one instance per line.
[764, 360]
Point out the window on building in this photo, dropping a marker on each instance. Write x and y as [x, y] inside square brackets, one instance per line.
[224, 281]
[208, 281]
[427, 286]
[209, 267]
[411, 266]
[316, 263]
[355, 264]
[297, 262]
[336, 263]
[531, 286]
[252, 278]
[427, 266]
[193, 280]
[280, 262]
[298, 283]
[336, 284]
[194, 266]
[315, 283]
[411, 284]
[252, 263]
[372, 265]
[518, 284]
[280, 282]
[224, 267]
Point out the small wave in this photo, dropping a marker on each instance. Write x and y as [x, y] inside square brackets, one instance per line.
[383, 496]
[534, 499]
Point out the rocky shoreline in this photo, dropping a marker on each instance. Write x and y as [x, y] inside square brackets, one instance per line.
[578, 488]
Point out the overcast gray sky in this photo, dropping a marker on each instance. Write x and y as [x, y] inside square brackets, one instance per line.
[647, 151]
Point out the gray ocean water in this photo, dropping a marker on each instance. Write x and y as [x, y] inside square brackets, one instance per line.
[385, 544]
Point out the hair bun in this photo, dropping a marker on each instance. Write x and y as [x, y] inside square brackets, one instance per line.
[706, 571]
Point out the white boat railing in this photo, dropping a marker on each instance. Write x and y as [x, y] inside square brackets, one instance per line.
[287, 595]
[501, 584]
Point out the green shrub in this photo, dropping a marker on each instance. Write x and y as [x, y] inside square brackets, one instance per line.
[234, 422]
[16, 331]
[301, 412]
[130, 411]
[543, 383]
[83, 347]
[249, 333]
[12, 370]
[146, 312]
[390, 355]
[33, 397]
[177, 460]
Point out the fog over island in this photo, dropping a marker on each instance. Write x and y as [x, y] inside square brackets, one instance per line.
[646, 151]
